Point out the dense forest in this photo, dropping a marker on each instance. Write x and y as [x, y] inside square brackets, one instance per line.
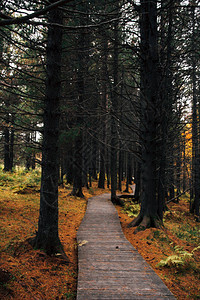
[98, 97]
[104, 90]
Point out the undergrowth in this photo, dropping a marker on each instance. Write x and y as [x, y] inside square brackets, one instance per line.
[131, 209]
[181, 260]
[21, 181]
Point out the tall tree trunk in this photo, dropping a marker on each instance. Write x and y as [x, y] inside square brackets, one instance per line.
[94, 159]
[184, 163]
[6, 144]
[178, 168]
[114, 111]
[101, 183]
[195, 140]
[12, 137]
[47, 237]
[120, 168]
[149, 214]
[138, 182]
[82, 72]
[33, 140]
[166, 99]
[28, 152]
[128, 171]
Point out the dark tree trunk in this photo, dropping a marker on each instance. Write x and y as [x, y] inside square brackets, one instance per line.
[114, 122]
[12, 137]
[149, 214]
[6, 150]
[94, 159]
[195, 138]
[6, 145]
[108, 167]
[184, 164]
[129, 172]
[138, 182]
[101, 183]
[171, 174]
[166, 100]
[69, 164]
[9, 143]
[82, 56]
[47, 237]
[178, 168]
[28, 152]
[33, 160]
[194, 207]
[120, 169]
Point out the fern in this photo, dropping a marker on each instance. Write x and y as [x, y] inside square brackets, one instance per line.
[173, 260]
[181, 259]
[195, 249]
[131, 210]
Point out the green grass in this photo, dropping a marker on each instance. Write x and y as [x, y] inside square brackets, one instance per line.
[20, 180]
[188, 233]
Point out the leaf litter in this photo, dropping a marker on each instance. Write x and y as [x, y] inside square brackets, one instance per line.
[31, 274]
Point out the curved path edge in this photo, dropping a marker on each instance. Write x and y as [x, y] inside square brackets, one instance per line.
[109, 267]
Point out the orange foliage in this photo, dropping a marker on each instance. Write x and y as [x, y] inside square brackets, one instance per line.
[34, 275]
[157, 244]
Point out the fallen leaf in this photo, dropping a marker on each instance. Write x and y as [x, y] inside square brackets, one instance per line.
[82, 243]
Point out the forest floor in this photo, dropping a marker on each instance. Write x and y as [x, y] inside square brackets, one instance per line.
[26, 273]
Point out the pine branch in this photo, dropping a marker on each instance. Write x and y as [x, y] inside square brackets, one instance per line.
[6, 20]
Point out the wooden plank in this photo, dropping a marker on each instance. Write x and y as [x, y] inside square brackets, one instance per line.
[109, 266]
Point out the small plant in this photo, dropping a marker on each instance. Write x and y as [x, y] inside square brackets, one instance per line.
[179, 260]
[91, 191]
[188, 233]
[131, 210]
[29, 181]
[5, 178]
[70, 295]
[196, 249]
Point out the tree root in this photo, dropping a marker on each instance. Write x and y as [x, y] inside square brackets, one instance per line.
[118, 201]
[52, 249]
[77, 193]
[143, 222]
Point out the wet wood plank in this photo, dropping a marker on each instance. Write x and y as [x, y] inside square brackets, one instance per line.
[109, 267]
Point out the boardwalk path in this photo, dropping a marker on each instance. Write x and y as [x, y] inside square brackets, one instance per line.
[109, 266]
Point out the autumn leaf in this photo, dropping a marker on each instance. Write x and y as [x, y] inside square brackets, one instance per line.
[82, 243]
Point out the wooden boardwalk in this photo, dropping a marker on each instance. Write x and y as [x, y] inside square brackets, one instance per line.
[109, 267]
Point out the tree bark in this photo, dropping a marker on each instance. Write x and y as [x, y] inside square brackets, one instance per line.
[47, 237]
[114, 111]
[149, 214]
[6, 145]
[195, 138]
[104, 72]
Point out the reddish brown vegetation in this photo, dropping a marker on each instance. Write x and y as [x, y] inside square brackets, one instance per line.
[26, 273]
[158, 244]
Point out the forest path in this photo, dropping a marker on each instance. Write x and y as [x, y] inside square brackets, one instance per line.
[109, 267]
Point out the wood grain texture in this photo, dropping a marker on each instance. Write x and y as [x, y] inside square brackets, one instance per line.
[109, 267]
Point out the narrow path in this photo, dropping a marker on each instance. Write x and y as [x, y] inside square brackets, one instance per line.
[109, 266]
